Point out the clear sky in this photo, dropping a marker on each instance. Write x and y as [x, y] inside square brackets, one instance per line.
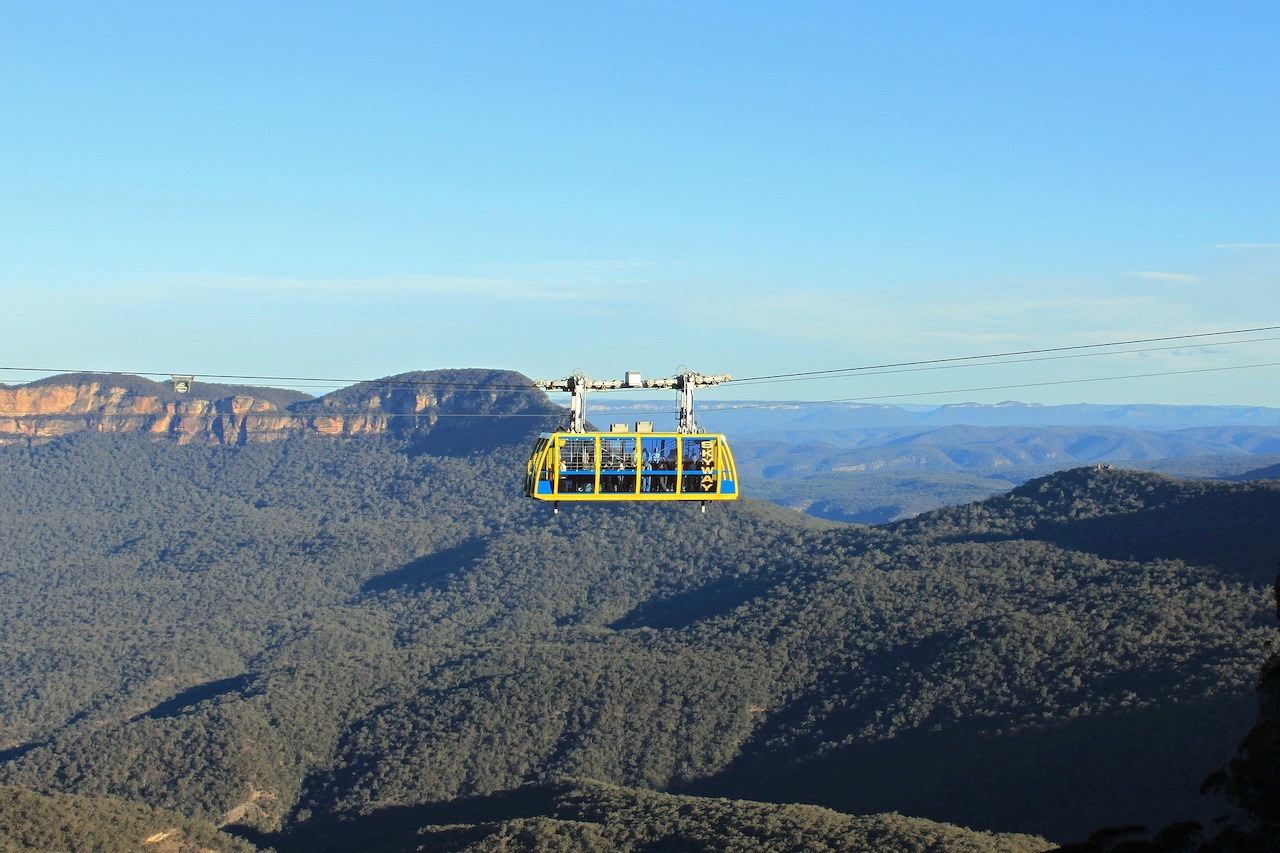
[353, 190]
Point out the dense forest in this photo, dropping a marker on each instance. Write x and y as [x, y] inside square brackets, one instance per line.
[593, 816]
[71, 824]
[289, 637]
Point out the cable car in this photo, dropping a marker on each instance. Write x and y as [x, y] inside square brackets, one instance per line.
[638, 464]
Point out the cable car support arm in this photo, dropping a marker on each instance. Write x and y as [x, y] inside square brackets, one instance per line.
[577, 385]
[685, 383]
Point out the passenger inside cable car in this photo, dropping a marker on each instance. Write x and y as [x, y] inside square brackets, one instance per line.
[576, 464]
[603, 466]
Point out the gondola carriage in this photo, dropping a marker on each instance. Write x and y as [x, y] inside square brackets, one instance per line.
[631, 464]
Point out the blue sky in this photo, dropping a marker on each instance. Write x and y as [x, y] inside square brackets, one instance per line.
[357, 190]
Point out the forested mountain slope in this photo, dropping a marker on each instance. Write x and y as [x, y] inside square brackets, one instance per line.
[592, 816]
[282, 633]
[61, 822]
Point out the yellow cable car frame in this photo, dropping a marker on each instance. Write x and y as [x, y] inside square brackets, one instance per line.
[631, 466]
[575, 464]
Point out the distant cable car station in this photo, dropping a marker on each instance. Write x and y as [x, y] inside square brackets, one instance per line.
[625, 464]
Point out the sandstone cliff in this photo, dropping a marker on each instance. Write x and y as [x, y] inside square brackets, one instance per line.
[226, 414]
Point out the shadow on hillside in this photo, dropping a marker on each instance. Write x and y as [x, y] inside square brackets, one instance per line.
[1232, 533]
[842, 511]
[426, 572]
[1059, 781]
[684, 609]
[464, 436]
[192, 696]
[455, 824]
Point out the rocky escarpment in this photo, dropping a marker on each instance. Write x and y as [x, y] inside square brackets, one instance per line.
[226, 414]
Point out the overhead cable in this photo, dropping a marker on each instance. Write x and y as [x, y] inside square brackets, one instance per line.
[1001, 355]
[989, 359]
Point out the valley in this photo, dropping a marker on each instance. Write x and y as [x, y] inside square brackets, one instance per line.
[376, 628]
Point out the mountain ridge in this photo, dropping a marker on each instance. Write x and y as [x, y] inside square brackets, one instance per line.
[236, 414]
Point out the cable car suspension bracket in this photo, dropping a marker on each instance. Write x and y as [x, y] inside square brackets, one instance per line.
[579, 384]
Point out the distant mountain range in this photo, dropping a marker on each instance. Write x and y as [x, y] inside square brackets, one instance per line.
[840, 461]
[755, 419]
[872, 464]
[229, 414]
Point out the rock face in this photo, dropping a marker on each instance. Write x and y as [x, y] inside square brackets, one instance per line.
[39, 413]
[224, 414]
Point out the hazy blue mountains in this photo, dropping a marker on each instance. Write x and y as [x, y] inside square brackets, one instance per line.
[876, 463]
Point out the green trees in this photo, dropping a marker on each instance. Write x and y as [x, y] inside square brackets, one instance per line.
[579, 815]
[30, 822]
[342, 627]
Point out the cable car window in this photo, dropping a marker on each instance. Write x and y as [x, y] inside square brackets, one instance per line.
[617, 465]
[578, 465]
[658, 465]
